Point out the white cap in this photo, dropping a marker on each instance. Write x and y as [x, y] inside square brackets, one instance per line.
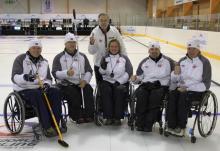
[69, 37]
[154, 44]
[193, 43]
[35, 42]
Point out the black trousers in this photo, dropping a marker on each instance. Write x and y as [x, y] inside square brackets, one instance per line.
[179, 104]
[113, 99]
[148, 105]
[72, 93]
[35, 98]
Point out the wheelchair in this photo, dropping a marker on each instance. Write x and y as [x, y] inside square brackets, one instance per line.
[16, 111]
[205, 111]
[98, 115]
[132, 100]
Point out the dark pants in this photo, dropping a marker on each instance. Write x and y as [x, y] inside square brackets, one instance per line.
[35, 98]
[148, 105]
[113, 98]
[179, 104]
[98, 76]
[72, 93]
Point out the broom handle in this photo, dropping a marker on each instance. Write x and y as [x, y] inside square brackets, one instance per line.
[50, 109]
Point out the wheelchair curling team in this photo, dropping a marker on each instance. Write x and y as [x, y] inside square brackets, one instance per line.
[156, 75]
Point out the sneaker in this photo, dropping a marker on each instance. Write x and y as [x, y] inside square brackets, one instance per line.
[63, 129]
[109, 122]
[89, 120]
[171, 130]
[139, 128]
[50, 132]
[117, 122]
[179, 132]
[147, 129]
[80, 121]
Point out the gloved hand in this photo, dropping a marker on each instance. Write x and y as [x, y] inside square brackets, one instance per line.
[151, 86]
[116, 84]
[46, 87]
[157, 83]
[104, 64]
[29, 77]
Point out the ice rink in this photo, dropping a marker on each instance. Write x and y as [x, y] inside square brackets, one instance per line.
[89, 137]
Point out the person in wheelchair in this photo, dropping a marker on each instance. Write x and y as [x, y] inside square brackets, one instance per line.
[116, 70]
[73, 73]
[27, 69]
[154, 75]
[189, 80]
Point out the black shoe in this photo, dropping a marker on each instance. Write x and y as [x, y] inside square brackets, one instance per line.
[109, 122]
[63, 129]
[148, 129]
[89, 120]
[50, 132]
[80, 121]
[139, 128]
[117, 122]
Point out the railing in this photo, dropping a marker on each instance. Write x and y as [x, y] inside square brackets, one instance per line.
[202, 22]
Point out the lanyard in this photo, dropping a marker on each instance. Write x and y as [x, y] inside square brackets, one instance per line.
[74, 58]
[112, 73]
[37, 68]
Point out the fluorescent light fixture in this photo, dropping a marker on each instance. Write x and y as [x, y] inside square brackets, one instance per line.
[58, 28]
[17, 28]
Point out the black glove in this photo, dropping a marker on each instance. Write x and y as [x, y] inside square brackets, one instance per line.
[29, 77]
[151, 86]
[116, 84]
[46, 86]
[146, 85]
[104, 64]
[157, 83]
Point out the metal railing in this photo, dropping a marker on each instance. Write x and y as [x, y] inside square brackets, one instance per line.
[209, 22]
[202, 22]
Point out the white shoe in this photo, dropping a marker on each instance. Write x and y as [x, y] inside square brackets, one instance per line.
[179, 132]
[171, 130]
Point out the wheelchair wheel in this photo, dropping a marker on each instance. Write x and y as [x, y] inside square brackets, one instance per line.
[64, 110]
[14, 113]
[97, 102]
[207, 116]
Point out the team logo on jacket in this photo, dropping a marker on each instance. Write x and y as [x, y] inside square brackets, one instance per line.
[28, 63]
[100, 40]
[117, 61]
[194, 66]
[111, 38]
[159, 65]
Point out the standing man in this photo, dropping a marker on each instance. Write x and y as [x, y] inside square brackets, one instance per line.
[99, 39]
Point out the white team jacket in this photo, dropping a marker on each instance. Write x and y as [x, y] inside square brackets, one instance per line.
[195, 74]
[23, 65]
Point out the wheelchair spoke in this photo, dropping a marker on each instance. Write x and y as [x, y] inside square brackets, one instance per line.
[10, 104]
[8, 117]
[16, 119]
[12, 123]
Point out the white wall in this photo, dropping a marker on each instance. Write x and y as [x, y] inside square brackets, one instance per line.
[87, 6]
[81, 6]
[178, 36]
